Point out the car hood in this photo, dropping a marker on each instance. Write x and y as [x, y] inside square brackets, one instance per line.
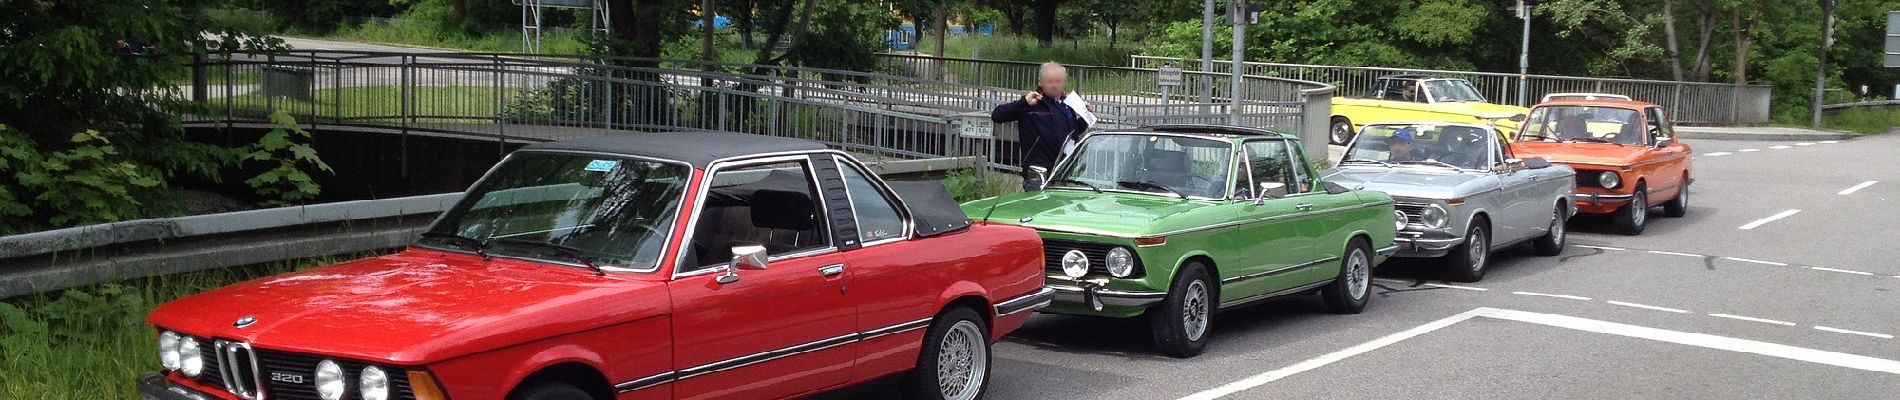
[1126, 214]
[414, 307]
[1414, 182]
[1574, 152]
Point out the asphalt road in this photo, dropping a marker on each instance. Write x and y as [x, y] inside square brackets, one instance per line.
[1804, 306]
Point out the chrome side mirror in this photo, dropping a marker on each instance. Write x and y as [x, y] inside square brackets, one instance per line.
[1270, 190]
[744, 257]
[1042, 176]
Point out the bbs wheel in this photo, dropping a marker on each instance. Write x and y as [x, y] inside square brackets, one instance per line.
[955, 363]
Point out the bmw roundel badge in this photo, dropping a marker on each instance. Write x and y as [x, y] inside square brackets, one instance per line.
[245, 321]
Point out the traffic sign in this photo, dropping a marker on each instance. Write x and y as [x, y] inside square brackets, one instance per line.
[1169, 76]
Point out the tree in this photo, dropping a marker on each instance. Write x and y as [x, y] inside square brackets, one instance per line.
[1045, 26]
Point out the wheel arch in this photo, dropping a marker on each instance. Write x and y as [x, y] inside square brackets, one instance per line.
[572, 372]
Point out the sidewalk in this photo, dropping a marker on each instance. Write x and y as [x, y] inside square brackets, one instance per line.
[1759, 133]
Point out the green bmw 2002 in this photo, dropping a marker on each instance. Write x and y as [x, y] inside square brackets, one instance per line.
[1176, 222]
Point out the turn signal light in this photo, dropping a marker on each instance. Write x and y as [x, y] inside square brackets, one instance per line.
[1151, 241]
[424, 386]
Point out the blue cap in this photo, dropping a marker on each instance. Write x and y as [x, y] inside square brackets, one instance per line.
[1401, 135]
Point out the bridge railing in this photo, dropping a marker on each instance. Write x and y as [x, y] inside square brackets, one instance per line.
[1691, 102]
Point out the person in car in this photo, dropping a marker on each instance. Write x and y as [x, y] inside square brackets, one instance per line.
[1400, 146]
[1463, 150]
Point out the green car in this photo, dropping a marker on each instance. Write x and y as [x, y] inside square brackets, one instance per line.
[1175, 222]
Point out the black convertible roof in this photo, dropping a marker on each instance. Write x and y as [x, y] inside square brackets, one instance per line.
[697, 148]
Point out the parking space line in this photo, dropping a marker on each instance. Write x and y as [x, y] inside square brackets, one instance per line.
[1856, 188]
[1830, 141]
[1718, 154]
[1844, 271]
[1648, 307]
[1804, 144]
[1752, 319]
[1560, 296]
[1703, 340]
[1671, 253]
[1598, 247]
[1771, 218]
[1329, 358]
[1748, 150]
[1755, 261]
[1779, 147]
[1853, 332]
[1478, 289]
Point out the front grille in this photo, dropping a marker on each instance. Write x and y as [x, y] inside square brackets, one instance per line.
[1588, 178]
[305, 365]
[237, 368]
[1413, 211]
[213, 373]
[1052, 251]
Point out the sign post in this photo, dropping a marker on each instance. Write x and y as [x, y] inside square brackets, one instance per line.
[1168, 77]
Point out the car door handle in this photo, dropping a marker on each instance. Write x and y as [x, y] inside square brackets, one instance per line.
[831, 270]
[1304, 207]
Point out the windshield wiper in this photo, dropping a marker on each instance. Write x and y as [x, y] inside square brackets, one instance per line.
[1070, 180]
[1362, 160]
[480, 248]
[1149, 184]
[1431, 162]
[1587, 139]
[570, 251]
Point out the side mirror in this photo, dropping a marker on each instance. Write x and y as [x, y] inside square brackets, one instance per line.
[1042, 176]
[744, 257]
[1520, 118]
[1270, 190]
[1536, 163]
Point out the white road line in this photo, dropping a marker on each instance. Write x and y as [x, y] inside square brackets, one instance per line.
[1718, 154]
[1478, 289]
[1844, 360]
[1648, 307]
[1856, 188]
[1329, 358]
[1771, 218]
[1755, 261]
[1853, 332]
[1752, 319]
[1781, 147]
[1804, 144]
[1671, 253]
[1845, 271]
[1560, 296]
[1748, 150]
[1598, 247]
[1830, 141]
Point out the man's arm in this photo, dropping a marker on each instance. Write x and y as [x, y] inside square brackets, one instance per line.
[1009, 112]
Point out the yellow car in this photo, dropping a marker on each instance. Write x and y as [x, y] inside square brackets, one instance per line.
[1419, 98]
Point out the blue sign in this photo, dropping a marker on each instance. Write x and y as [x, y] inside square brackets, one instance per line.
[602, 165]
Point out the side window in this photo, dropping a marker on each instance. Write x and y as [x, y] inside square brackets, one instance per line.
[1243, 178]
[772, 204]
[1303, 184]
[1659, 125]
[1270, 162]
[877, 216]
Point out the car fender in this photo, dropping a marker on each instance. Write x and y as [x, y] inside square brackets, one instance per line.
[964, 288]
[1164, 282]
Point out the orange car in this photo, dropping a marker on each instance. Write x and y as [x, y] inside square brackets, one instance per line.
[1625, 152]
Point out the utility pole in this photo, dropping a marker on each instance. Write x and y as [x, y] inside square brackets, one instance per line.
[1207, 57]
[1241, 18]
[1827, 40]
[1524, 54]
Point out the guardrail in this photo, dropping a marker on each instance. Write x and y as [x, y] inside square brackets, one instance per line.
[1691, 102]
[1836, 108]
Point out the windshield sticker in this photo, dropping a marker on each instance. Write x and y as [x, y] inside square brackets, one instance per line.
[602, 165]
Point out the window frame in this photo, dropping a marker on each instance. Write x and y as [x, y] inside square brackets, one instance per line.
[890, 197]
[705, 187]
[1659, 119]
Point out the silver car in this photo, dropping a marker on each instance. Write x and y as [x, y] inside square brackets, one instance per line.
[1460, 190]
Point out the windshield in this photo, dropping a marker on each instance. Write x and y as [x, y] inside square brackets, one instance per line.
[613, 211]
[1452, 91]
[1164, 164]
[1420, 144]
[1583, 124]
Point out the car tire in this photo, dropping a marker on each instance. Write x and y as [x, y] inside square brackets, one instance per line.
[1469, 261]
[956, 355]
[1352, 289]
[1552, 243]
[1679, 206]
[1182, 321]
[549, 390]
[1634, 217]
[1340, 132]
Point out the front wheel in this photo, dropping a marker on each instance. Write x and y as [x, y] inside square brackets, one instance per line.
[1181, 322]
[955, 363]
[1349, 293]
[1634, 217]
[1341, 131]
[1468, 261]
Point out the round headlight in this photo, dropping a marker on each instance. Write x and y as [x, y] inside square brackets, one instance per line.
[1120, 262]
[1400, 223]
[168, 350]
[1075, 264]
[329, 380]
[1609, 179]
[1434, 217]
[191, 360]
[373, 384]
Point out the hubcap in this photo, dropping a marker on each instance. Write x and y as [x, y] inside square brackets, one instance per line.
[1639, 207]
[1341, 132]
[1557, 227]
[1194, 311]
[1358, 274]
[962, 360]
[1480, 248]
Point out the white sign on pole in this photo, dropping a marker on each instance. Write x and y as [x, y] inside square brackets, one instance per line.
[1892, 57]
[976, 127]
[1170, 76]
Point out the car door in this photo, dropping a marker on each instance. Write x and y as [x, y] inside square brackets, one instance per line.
[1672, 163]
[768, 333]
[893, 283]
[1522, 213]
[1323, 222]
[1271, 240]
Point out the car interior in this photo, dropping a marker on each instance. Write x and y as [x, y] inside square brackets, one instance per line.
[773, 207]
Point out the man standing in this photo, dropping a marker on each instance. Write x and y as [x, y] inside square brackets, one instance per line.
[1043, 122]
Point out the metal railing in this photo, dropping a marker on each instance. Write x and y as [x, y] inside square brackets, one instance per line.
[1691, 102]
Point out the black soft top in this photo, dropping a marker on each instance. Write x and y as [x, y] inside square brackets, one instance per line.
[697, 148]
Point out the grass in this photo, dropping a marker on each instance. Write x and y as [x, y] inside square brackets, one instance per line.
[445, 104]
[1863, 120]
[93, 342]
[964, 185]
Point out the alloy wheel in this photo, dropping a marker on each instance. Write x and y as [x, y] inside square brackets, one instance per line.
[1358, 274]
[1342, 132]
[1194, 311]
[962, 362]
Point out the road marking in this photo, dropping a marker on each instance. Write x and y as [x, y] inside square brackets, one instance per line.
[1771, 218]
[1560, 296]
[1845, 271]
[1748, 150]
[1856, 188]
[1479, 289]
[1804, 144]
[1830, 141]
[1598, 247]
[1702, 340]
[1718, 154]
[1781, 147]
[1755, 261]
[1752, 319]
[1853, 332]
[1649, 307]
[1671, 253]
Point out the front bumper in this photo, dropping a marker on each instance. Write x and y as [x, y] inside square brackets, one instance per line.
[154, 386]
[1424, 244]
[1029, 302]
[1600, 199]
[1096, 297]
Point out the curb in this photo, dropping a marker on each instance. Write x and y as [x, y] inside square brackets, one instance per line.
[1782, 137]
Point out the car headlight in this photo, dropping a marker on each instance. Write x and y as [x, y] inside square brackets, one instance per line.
[168, 350]
[1400, 223]
[1120, 262]
[1609, 179]
[1433, 217]
[1075, 264]
[373, 384]
[329, 380]
[191, 361]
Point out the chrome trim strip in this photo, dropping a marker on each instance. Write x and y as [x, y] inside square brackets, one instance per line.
[766, 356]
[1273, 295]
[895, 329]
[1388, 250]
[1041, 298]
[1258, 275]
[647, 382]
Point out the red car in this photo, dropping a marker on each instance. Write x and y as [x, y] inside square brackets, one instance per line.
[637, 266]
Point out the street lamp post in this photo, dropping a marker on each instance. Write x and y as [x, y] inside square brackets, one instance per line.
[1207, 57]
[1241, 17]
[1524, 53]
[1820, 78]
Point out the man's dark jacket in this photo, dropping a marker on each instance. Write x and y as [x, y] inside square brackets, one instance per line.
[1043, 126]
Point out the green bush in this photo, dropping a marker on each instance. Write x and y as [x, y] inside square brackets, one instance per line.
[1863, 120]
[965, 185]
[286, 153]
[89, 182]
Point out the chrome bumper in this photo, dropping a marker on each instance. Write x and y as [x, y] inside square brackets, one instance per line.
[1416, 244]
[1096, 297]
[1028, 302]
[1388, 250]
[1595, 199]
[153, 386]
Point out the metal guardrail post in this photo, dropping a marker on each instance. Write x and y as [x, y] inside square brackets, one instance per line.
[501, 115]
[406, 92]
